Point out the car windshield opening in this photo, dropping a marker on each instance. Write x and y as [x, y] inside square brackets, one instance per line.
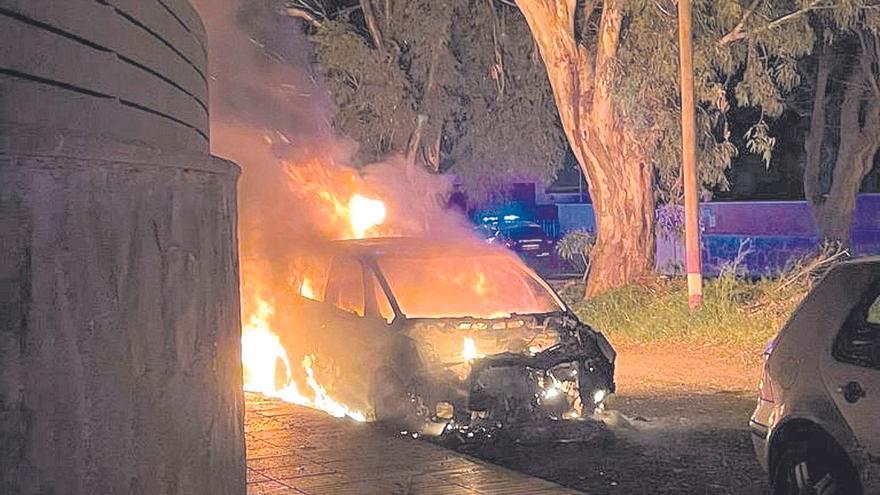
[480, 286]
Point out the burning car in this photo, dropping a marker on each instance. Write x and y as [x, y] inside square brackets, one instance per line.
[436, 335]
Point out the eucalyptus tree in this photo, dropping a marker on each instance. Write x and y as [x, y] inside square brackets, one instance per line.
[455, 85]
[844, 136]
[613, 66]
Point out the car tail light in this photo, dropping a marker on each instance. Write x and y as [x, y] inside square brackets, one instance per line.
[765, 388]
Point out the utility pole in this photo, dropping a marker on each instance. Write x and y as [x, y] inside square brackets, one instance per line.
[689, 157]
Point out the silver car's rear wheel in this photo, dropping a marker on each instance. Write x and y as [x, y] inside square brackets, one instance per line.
[815, 470]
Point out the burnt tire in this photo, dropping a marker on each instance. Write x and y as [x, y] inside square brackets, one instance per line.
[817, 467]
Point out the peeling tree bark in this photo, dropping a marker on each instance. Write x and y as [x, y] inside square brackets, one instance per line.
[619, 177]
[816, 136]
[859, 141]
[415, 140]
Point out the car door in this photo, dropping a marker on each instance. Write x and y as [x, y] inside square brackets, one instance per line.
[353, 337]
[854, 374]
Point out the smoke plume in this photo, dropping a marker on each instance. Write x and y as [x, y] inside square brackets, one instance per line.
[271, 115]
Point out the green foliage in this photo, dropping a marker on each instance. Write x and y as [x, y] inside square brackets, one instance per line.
[755, 68]
[576, 244]
[760, 142]
[471, 68]
[512, 128]
[468, 66]
[575, 247]
[371, 94]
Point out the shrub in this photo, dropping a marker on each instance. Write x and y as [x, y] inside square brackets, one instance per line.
[575, 247]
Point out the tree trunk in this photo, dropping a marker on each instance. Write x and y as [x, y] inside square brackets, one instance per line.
[619, 177]
[415, 140]
[859, 141]
[816, 136]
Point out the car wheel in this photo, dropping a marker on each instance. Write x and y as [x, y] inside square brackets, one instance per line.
[819, 468]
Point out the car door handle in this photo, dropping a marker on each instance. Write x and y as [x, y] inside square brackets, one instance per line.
[852, 392]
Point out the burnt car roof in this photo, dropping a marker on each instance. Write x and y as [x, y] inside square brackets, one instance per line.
[408, 247]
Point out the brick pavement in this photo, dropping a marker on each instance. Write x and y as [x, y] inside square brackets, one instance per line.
[296, 450]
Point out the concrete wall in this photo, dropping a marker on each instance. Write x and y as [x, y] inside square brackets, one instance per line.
[120, 370]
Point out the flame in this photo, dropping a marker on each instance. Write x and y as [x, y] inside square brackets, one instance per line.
[263, 357]
[306, 289]
[340, 211]
[480, 285]
[469, 352]
[323, 400]
[261, 352]
[339, 199]
[364, 214]
[338, 203]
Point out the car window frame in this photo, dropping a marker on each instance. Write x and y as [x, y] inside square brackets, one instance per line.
[305, 261]
[334, 263]
[371, 266]
[526, 272]
[858, 316]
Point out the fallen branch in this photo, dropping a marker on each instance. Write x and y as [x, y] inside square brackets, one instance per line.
[301, 14]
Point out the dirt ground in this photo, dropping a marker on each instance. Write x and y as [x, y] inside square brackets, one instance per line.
[678, 424]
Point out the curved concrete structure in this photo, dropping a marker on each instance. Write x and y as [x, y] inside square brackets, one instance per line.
[120, 368]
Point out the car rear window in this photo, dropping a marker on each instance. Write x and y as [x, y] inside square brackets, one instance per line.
[480, 286]
[521, 233]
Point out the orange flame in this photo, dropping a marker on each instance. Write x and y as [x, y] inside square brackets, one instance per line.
[345, 214]
[306, 289]
[263, 357]
[364, 214]
[261, 352]
[336, 194]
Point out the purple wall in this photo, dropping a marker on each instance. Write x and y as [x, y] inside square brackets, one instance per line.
[772, 233]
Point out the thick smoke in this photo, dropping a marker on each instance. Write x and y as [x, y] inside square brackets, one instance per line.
[271, 115]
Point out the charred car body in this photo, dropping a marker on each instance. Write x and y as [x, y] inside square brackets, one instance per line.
[426, 334]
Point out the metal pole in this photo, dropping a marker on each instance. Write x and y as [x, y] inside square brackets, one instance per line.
[689, 157]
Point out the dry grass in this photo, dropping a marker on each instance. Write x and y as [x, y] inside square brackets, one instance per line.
[737, 311]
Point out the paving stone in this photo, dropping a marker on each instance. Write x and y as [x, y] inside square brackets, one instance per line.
[255, 477]
[271, 488]
[261, 464]
[311, 453]
[298, 470]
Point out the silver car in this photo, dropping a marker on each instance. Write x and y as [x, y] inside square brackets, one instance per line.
[816, 428]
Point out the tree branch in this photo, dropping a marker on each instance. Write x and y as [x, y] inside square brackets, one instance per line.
[794, 15]
[738, 33]
[370, 19]
[867, 59]
[301, 14]
[742, 33]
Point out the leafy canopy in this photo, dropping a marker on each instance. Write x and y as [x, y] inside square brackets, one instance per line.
[746, 56]
[468, 66]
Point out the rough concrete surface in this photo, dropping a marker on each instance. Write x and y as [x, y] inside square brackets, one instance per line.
[75, 63]
[120, 369]
[119, 344]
